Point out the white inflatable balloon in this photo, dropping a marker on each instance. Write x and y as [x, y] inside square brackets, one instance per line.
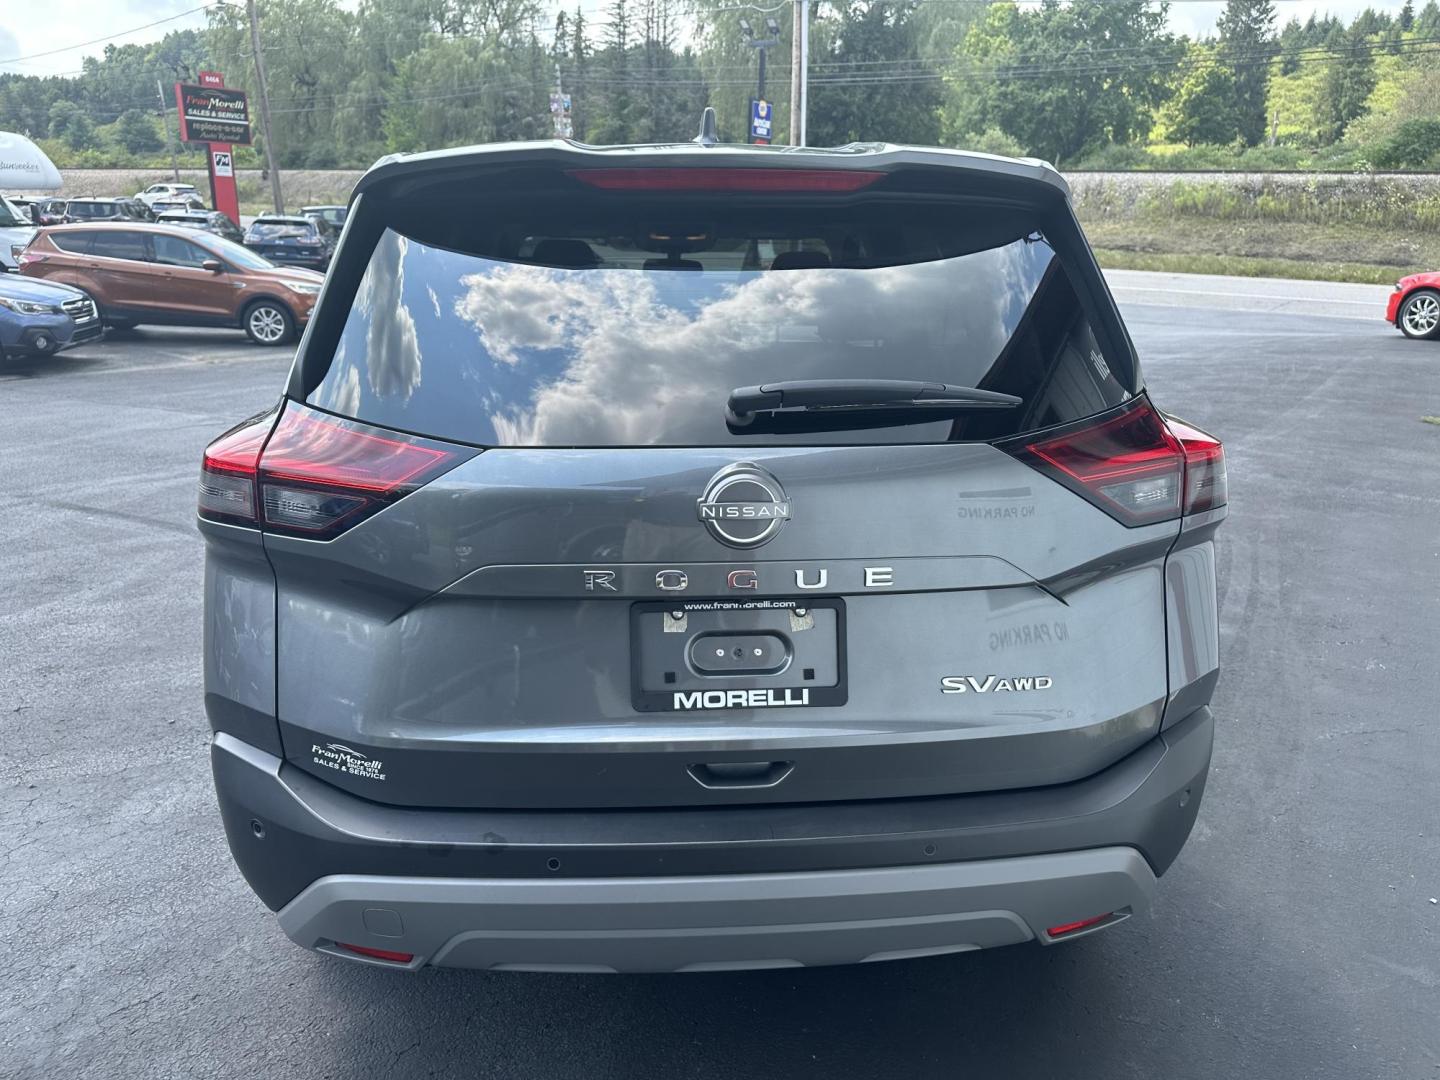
[24, 166]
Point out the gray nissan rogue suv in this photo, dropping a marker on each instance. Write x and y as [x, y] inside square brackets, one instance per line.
[700, 557]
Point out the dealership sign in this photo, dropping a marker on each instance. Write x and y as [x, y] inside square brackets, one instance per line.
[218, 117]
[213, 114]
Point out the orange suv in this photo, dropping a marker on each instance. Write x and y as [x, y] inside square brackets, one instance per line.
[174, 276]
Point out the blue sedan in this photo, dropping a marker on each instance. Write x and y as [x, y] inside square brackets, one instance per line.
[38, 318]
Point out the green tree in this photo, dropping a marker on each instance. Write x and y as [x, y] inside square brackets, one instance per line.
[612, 105]
[1064, 79]
[65, 116]
[26, 100]
[309, 67]
[1349, 81]
[1202, 110]
[1292, 42]
[1415, 145]
[1370, 22]
[457, 91]
[136, 132]
[1427, 23]
[1406, 18]
[1247, 45]
[874, 43]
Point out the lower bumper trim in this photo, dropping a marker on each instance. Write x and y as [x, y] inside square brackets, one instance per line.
[710, 923]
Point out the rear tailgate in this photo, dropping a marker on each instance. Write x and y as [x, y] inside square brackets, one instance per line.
[471, 652]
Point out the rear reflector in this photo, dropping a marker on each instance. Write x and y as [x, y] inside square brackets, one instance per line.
[318, 475]
[1069, 927]
[737, 180]
[378, 954]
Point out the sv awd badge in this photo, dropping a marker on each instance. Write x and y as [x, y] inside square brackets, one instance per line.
[993, 684]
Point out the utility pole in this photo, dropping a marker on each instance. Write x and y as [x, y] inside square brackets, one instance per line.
[165, 123]
[799, 60]
[264, 107]
[804, 6]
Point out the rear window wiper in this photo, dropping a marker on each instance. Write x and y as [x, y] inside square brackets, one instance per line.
[893, 397]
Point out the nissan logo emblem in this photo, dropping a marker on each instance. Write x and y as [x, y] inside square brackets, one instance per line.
[743, 506]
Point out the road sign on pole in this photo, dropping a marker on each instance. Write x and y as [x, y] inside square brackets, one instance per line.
[762, 115]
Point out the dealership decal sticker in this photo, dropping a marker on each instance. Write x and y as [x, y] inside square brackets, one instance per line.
[341, 758]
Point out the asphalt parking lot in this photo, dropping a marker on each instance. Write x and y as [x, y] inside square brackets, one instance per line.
[1296, 937]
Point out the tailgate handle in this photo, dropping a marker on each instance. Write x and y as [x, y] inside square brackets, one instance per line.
[740, 774]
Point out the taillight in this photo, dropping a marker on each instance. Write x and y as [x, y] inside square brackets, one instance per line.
[320, 475]
[317, 476]
[1127, 463]
[736, 180]
[1205, 483]
[27, 257]
[1132, 464]
[227, 472]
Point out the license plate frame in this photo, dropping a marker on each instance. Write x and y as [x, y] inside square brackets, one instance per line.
[655, 650]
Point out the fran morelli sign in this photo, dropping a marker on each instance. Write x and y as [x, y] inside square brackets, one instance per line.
[213, 114]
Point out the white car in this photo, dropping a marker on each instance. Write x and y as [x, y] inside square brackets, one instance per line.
[176, 193]
[15, 232]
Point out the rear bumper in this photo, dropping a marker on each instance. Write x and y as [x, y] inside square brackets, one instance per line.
[308, 262]
[717, 923]
[670, 889]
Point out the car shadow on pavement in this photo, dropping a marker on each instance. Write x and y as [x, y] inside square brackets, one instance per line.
[1085, 1009]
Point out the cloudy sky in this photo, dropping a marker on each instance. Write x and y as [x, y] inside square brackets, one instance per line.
[68, 30]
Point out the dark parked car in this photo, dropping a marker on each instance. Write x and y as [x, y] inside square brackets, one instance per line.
[708, 558]
[93, 209]
[38, 318]
[48, 212]
[334, 216]
[164, 274]
[134, 209]
[292, 240]
[213, 221]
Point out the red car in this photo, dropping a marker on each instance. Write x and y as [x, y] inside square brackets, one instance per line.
[1414, 306]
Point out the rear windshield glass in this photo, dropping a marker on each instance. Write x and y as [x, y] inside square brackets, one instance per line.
[634, 333]
[281, 230]
[94, 209]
